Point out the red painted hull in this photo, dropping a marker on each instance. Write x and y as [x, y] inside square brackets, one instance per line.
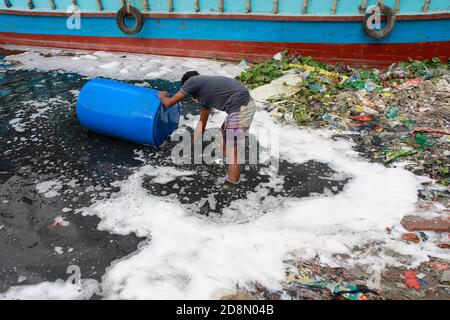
[353, 54]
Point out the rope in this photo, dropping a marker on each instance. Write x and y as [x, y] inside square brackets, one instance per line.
[305, 7]
[196, 6]
[397, 6]
[146, 7]
[363, 7]
[99, 5]
[275, 6]
[426, 5]
[334, 7]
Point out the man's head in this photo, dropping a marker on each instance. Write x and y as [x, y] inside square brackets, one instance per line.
[189, 75]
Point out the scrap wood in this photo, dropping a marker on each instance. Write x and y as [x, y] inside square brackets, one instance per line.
[431, 131]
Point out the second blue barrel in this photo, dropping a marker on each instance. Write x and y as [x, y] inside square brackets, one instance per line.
[126, 111]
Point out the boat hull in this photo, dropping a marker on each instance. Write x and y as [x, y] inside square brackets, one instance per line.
[236, 37]
[353, 54]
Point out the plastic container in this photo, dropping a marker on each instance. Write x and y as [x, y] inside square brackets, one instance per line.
[126, 111]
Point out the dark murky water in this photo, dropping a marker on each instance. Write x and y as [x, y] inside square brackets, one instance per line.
[41, 140]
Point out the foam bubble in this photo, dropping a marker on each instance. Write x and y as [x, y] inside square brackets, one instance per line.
[49, 188]
[122, 66]
[192, 257]
[58, 290]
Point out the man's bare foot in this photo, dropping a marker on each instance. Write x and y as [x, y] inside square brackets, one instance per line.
[229, 182]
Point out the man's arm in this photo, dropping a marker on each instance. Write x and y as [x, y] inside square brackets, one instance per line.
[170, 101]
[201, 126]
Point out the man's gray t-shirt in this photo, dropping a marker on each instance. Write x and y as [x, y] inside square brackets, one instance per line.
[222, 93]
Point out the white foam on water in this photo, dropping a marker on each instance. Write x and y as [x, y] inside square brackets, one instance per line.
[33, 110]
[122, 66]
[17, 124]
[75, 93]
[192, 257]
[166, 175]
[50, 188]
[59, 250]
[58, 290]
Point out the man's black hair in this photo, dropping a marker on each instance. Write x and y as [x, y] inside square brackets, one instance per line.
[188, 75]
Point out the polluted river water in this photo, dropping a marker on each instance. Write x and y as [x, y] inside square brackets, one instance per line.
[136, 225]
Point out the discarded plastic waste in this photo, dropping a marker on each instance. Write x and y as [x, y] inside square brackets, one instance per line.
[125, 111]
[400, 73]
[334, 120]
[244, 64]
[409, 83]
[369, 86]
[445, 276]
[366, 110]
[423, 236]
[350, 292]
[317, 88]
[432, 131]
[60, 222]
[400, 153]
[278, 56]
[363, 118]
[411, 237]
[411, 279]
[391, 113]
[439, 266]
[422, 140]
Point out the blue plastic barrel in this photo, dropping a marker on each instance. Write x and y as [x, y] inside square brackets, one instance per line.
[126, 111]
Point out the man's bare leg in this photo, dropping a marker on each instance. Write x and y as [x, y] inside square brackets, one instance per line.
[234, 167]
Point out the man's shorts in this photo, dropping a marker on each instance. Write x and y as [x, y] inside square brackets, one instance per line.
[237, 124]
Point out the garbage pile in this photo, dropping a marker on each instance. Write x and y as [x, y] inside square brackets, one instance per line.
[314, 280]
[399, 116]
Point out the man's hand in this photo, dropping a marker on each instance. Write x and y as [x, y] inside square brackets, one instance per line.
[163, 94]
[170, 101]
[201, 126]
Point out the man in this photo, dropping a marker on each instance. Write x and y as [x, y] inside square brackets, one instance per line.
[224, 94]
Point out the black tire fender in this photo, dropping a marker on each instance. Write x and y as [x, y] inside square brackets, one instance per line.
[130, 11]
[391, 18]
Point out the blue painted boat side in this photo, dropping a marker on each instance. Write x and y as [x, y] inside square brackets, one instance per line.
[342, 32]
[285, 7]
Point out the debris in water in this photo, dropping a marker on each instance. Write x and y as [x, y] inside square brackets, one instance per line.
[411, 279]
